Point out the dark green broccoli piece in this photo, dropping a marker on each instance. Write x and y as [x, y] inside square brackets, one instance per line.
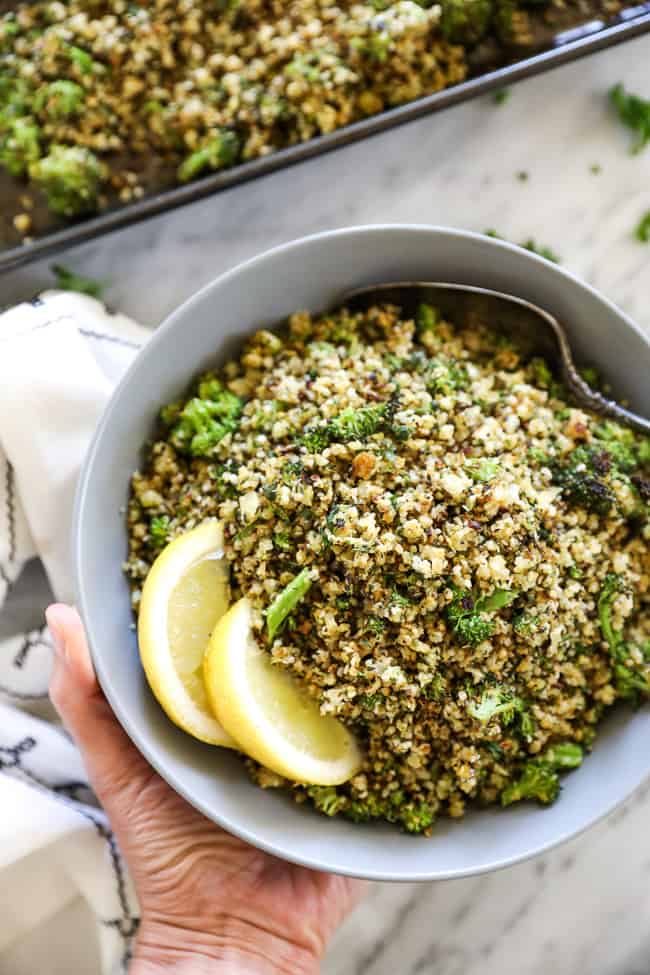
[496, 702]
[417, 818]
[159, 530]
[538, 781]
[466, 614]
[219, 151]
[465, 21]
[426, 319]
[204, 422]
[70, 281]
[19, 145]
[630, 682]
[70, 177]
[349, 425]
[60, 99]
[620, 444]
[326, 799]
[634, 112]
[582, 479]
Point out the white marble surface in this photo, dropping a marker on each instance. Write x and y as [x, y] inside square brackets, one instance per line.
[586, 906]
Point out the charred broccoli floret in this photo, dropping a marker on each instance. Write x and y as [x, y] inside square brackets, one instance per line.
[219, 151]
[19, 145]
[582, 477]
[70, 177]
[465, 21]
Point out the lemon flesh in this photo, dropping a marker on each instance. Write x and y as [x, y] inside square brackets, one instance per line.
[268, 713]
[183, 597]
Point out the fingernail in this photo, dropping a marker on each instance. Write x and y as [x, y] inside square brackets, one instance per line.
[55, 627]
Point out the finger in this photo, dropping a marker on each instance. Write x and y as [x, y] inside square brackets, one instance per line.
[113, 763]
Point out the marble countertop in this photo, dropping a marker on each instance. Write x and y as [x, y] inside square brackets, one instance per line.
[586, 906]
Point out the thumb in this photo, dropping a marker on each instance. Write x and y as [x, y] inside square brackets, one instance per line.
[115, 767]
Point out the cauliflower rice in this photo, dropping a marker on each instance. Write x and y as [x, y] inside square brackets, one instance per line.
[476, 549]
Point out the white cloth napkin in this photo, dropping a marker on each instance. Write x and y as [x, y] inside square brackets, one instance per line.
[60, 358]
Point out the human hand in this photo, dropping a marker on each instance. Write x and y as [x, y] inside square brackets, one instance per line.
[209, 902]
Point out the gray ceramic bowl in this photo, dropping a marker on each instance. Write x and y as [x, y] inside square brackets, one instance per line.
[311, 273]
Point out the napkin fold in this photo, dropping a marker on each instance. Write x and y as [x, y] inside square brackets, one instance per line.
[60, 358]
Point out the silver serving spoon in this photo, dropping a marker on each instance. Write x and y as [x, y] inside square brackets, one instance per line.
[533, 330]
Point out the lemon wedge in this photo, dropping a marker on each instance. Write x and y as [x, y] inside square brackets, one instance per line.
[183, 596]
[265, 710]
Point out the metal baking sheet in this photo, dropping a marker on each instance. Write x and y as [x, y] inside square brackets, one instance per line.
[587, 38]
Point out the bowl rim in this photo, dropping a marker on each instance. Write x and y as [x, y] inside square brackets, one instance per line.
[280, 849]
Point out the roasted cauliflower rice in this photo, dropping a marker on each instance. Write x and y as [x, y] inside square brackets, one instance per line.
[472, 550]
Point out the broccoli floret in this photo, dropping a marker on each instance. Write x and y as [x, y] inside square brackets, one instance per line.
[465, 21]
[282, 541]
[60, 99]
[220, 150]
[566, 754]
[620, 445]
[466, 613]
[357, 424]
[363, 810]
[426, 319]
[539, 781]
[159, 530]
[417, 818]
[19, 145]
[629, 682]
[349, 425]
[326, 799]
[582, 479]
[70, 177]
[495, 702]
[203, 423]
